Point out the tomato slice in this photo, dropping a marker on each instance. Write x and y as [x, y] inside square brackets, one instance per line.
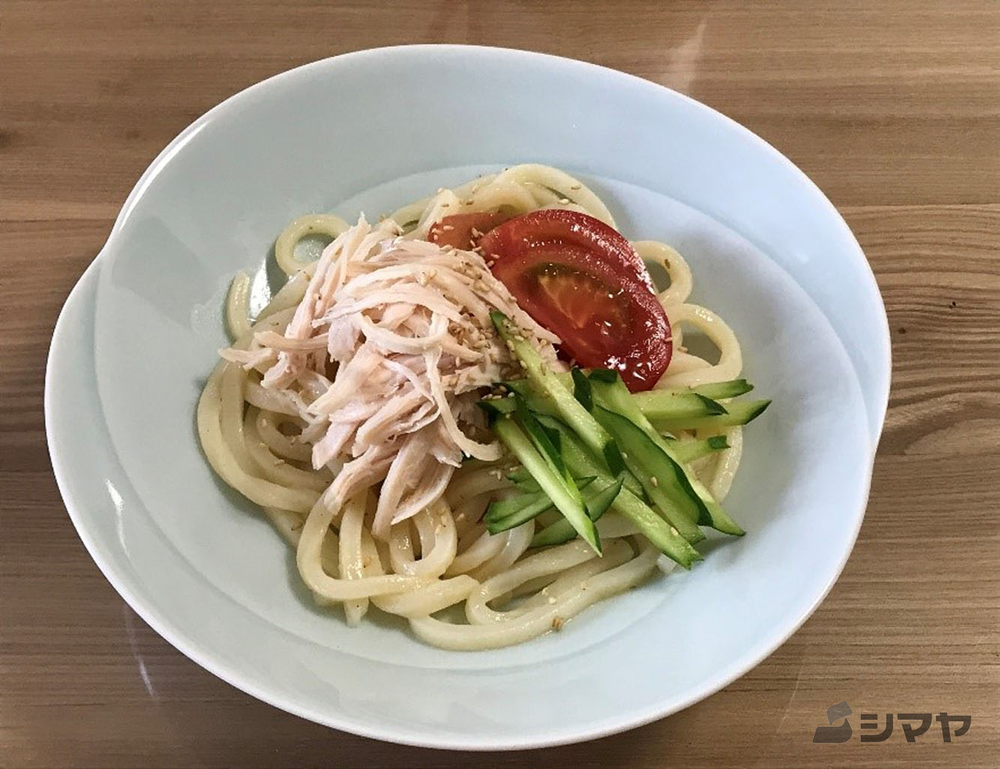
[465, 230]
[582, 280]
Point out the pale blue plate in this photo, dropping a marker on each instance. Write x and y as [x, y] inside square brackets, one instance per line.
[373, 130]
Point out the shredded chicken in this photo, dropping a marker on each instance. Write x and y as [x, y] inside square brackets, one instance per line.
[405, 326]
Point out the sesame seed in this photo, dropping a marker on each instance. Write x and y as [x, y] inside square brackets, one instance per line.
[564, 201]
[552, 599]
[446, 228]
[655, 481]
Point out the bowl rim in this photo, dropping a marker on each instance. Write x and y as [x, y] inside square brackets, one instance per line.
[204, 658]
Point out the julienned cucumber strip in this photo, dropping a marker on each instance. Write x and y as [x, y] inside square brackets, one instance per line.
[739, 413]
[496, 407]
[586, 460]
[669, 410]
[568, 503]
[524, 507]
[522, 479]
[663, 405]
[653, 404]
[722, 390]
[597, 503]
[689, 451]
[715, 390]
[547, 384]
[659, 475]
[666, 538]
[709, 512]
[545, 441]
[663, 459]
[537, 404]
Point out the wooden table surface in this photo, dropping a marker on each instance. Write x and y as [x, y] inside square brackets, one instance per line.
[892, 107]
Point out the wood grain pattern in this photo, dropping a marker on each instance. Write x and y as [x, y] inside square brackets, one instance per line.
[893, 108]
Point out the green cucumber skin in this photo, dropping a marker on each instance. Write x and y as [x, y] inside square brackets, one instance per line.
[546, 446]
[561, 531]
[571, 507]
[707, 511]
[653, 527]
[661, 477]
[684, 411]
[739, 413]
[583, 456]
[666, 538]
[717, 443]
[505, 508]
[581, 389]
[496, 522]
[513, 512]
[556, 534]
[716, 390]
[599, 501]
[734, 388]
[654, 405]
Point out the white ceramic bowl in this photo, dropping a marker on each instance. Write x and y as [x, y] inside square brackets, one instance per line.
[373, 129]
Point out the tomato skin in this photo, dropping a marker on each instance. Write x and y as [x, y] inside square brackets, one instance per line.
[459, 230]
[583, 280]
